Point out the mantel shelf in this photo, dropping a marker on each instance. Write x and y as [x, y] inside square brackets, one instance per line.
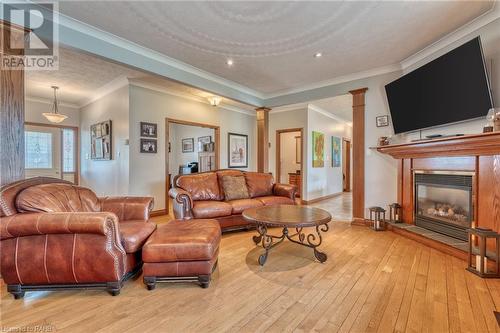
[466, 145]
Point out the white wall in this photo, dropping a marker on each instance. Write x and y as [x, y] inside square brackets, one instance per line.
[107, 177]
[287, 155]
[34, 108]
[327, 180]
[147, 171]
[179, 132]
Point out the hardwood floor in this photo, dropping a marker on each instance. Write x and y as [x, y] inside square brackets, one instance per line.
[372, 281]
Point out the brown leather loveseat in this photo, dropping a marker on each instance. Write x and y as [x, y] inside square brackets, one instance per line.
[55, 235]
[201, 196]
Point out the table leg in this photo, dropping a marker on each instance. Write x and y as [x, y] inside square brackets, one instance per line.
[268, 241]
[311, 240]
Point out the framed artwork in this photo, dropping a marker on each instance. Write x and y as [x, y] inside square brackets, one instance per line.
[318, 149]
[188, 145]
[237, 150]
[382, 121]
[204, 142]
[336, 152]
[149, 130]
[149, 146]
[101, 141]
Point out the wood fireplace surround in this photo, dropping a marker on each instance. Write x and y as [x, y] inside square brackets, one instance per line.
[477, 154]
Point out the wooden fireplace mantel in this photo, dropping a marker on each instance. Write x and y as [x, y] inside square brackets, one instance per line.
[478, 154]
[467, 145]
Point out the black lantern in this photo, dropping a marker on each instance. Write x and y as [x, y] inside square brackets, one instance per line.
[395, 213]
[484, 262]
[377, 217]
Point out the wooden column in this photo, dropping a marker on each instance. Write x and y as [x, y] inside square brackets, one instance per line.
[358, 153]
[11, 113]
[263, 139]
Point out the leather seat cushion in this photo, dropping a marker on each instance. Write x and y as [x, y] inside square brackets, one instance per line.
[211, 209]
[57, 197]
[274, 200]
[183, 240]
[259, 184]
[241, 204]
[135, 234]
[201, 186]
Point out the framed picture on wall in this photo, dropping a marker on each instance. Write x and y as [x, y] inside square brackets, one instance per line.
[188, 145]
[149, 130]
[318, 149]
[149, 146]
[382, 121]
[237, 150]
[336, 152]
[101, 141]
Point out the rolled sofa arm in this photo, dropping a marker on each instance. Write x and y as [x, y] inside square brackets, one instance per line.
[183, 203]
[33, 224]
[128, 208]
[285, 190]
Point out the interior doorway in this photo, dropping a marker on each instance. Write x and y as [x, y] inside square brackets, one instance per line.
[289, 148]
[346, 164]
[191, 147]
[51, 151]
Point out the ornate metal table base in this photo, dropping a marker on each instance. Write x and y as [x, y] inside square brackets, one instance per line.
[312, 240]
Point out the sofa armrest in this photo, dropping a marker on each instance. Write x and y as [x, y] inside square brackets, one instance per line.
[128, 208]
[32, 224]
[285, 190]
[182, 203]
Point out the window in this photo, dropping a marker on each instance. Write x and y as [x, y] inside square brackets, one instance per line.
[68, 150]
[38, 150]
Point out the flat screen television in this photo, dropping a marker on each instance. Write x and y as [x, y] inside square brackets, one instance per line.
[449, 89]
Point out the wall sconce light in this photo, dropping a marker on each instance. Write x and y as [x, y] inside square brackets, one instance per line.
[215, 100]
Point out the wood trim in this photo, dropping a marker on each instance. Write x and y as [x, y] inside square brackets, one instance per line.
[169, 121]
[358, 153]
[262, 139]
[456, 163]
[278, 154]
[467, 145]
[76, 131]
[308, 202]
[159, 212]
[347, 179]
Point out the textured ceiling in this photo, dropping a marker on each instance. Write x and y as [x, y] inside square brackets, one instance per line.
[272, 43]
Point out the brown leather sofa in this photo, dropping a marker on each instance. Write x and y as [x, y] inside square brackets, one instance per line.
[55, 235]
[201, 196]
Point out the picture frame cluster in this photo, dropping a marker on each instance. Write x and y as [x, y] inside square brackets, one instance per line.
[149, 133]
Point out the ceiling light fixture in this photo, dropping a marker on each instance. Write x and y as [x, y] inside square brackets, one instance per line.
[54, 116]
[215, 100]
[229, 62]
[318, 55]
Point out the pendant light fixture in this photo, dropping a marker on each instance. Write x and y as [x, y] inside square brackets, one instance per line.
[54, 116]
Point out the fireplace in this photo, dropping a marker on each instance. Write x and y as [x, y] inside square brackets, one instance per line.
[443, 202]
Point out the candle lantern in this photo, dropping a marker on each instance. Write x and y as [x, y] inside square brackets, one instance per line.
[482, 261]
[377, 217]
[395, 213]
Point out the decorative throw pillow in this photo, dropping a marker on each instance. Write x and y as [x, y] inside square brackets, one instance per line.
[235, 187]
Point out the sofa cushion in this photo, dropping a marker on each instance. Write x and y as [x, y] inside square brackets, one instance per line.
[259, 184]
[135, 234]
[183, 240]
[275, 200]
[211, 209]
[57, 197]
[240, 205]
[222, 173]
[201, 186]
[234, 187]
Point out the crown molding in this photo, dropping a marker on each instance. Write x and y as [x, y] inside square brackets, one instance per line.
[289, 108]
[157, 88]
[466, 29]
[329, 115]
[49, 101]
[104, 90]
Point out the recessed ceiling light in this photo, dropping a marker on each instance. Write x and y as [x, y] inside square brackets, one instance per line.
[229, 62]
[318, 55]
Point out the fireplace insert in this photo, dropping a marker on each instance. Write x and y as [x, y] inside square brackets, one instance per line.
[443, 202]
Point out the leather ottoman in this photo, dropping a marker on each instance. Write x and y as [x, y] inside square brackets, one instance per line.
[182, 250]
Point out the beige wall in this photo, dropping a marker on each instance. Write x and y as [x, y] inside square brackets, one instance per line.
[107, 177]
[147, 171]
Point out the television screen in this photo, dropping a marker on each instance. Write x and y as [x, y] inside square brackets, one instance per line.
[451, 88]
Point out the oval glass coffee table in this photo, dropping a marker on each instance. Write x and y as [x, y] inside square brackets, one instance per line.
[289, 217]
